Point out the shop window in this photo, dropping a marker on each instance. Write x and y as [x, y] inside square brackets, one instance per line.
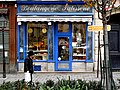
[38, 40]
[79, 41]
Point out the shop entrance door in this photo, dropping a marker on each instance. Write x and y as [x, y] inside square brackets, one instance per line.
[114, 46]
[63, 46]
[64, 55]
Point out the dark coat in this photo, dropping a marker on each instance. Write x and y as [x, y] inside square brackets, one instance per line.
[28, 65]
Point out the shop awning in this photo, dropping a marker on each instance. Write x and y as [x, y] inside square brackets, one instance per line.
[54, 18]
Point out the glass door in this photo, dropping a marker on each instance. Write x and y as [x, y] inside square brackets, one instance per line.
[64, 47]
[64, 54]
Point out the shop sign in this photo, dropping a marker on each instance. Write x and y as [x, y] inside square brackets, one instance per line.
[54, 8]
[98, 28]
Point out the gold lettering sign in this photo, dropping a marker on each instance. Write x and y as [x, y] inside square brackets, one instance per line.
[98, 28]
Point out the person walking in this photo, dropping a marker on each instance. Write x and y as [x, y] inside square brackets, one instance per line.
[28, 64]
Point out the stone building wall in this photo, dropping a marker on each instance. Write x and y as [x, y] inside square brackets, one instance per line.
[98, 22]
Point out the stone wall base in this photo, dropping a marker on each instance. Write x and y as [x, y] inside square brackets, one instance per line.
[50, 67]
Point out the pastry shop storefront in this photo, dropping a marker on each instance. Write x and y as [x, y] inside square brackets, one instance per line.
[58, 35]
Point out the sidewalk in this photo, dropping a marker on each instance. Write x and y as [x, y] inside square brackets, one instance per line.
[44, 76]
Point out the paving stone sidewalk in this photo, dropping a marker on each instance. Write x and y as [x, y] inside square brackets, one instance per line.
[44, 76]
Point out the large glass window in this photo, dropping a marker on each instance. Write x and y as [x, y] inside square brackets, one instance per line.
[38, 39]
[79, 41]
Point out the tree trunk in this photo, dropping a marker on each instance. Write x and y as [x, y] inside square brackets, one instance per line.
[106, 57]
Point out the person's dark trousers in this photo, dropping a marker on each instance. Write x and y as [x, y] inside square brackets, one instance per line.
[31, 78]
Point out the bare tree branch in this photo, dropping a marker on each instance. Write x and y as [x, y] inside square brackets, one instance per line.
[98, 8]
[110, 12]
[102, 7]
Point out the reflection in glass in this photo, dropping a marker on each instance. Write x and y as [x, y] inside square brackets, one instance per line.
[79, 33]
[63, 48]
[79, 41]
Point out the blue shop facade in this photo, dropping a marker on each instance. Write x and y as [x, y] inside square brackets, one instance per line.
[57, 32]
